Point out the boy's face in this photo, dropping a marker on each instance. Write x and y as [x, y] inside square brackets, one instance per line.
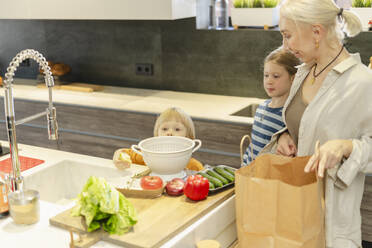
[172, 128]
[277, 80]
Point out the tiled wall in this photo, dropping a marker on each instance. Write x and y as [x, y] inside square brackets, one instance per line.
[184, 59]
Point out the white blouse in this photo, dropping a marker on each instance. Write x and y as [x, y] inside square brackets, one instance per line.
[341, 109]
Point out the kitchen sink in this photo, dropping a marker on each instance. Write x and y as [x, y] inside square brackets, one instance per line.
[61, 182]
[248, 111]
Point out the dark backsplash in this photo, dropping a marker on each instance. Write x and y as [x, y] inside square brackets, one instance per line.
[184, 59]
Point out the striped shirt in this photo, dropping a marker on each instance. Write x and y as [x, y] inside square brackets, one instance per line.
[267, 121]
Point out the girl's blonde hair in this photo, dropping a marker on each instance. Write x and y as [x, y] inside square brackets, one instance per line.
[176, 114]
[284, 58]
[337, 21]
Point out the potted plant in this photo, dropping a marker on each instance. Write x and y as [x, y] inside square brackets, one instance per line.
[364, 9]
[256, 13]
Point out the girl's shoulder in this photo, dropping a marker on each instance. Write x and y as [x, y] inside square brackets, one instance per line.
[265, 103]
[276, 110]
[264, 109]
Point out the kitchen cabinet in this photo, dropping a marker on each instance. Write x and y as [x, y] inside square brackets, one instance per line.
[100, 131]
[98, 9]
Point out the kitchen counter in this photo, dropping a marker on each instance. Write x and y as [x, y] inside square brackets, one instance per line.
[202, 106]
[42, 234]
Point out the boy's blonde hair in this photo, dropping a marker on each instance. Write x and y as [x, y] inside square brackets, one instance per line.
[284, 58]
[176, 114]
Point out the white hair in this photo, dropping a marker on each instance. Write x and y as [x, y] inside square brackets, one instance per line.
[324, 12]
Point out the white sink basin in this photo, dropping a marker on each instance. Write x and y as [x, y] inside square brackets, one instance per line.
[61, 182]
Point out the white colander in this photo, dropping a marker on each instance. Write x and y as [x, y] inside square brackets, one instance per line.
[167, 155]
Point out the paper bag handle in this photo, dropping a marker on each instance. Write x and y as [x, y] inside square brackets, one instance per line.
[248, 137]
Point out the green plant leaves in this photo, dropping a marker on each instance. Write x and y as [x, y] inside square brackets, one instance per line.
[361, 3]
[270, 3]
[255, 3]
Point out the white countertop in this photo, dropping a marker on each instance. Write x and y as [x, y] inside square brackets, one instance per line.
[42, 234]
[204, 106]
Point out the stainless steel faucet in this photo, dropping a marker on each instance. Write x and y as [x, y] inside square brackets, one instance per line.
[16, 180]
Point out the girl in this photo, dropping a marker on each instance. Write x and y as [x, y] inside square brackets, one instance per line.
[172, 122]
[279, 71]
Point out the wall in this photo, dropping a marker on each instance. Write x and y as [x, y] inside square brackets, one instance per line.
[184, 59]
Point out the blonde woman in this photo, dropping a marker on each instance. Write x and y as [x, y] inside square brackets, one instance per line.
[330, 103]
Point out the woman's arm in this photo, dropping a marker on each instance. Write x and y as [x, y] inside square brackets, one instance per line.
[272, 146]
[329, 155]
[343, 159]
[360, 160]
[286, 145]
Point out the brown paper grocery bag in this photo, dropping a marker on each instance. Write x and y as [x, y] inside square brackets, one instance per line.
[278, 205]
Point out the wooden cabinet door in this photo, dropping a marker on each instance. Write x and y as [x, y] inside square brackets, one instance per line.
[98, 9]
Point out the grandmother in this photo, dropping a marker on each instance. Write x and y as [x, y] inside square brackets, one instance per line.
[330, 103]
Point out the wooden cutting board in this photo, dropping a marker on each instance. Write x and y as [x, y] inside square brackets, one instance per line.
[82, 87]
[159, 219]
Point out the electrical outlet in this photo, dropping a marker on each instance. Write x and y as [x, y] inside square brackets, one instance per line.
[144, 69]
[25, 63]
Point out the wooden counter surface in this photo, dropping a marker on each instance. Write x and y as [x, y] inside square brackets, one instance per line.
[159, 219]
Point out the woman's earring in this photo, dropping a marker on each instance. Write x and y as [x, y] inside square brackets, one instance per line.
[316, 44]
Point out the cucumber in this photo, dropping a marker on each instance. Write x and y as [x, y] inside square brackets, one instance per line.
[216, 182]
[218, 176]
[228, 172]
[231, 171]
[211, 186]
[224, 173]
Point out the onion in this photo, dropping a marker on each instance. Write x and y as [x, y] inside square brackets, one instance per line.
[175, 187]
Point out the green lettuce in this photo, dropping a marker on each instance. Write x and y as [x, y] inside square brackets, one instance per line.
[102, 204]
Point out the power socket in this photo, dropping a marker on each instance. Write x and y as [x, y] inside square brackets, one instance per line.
[144, 69]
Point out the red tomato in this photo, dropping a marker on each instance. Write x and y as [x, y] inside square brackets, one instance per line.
[175, 187]
[151, 182]
[196, 188]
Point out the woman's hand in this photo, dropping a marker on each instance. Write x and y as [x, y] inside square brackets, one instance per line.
[328, 155]
[286, 145]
